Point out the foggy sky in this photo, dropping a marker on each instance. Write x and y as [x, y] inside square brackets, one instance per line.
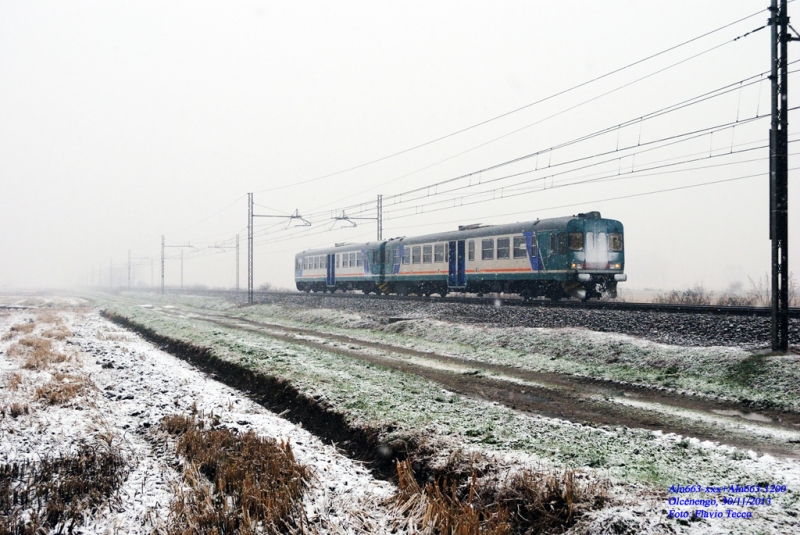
[123, 121]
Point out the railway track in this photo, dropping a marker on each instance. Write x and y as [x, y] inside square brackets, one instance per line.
[259, 297]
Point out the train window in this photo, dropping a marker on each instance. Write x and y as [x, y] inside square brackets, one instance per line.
[576, 241]
[503, 248]
[553, 243]
[359, 259]
[520, 248]
[427, 254]
[438, 252]
[416, 254]
[471, 250]
[487, 249]
[562, 243]
[406, 255]
[615, 241]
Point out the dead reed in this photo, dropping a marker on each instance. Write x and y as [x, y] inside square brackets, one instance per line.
[48, 316]
[237, 482]
[56, 493]
[62, 388]
[439, 509]
[527, 502]
[546, 500]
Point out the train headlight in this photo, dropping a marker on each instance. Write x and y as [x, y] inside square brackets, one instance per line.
[617, 266]
[574, 265]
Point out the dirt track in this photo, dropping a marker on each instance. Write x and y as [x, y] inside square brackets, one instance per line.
[576, 399]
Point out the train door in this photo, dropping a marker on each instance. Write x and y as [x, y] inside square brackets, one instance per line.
[457, 275]
[330, 278]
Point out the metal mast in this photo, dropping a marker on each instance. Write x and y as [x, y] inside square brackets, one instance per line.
[779, 175]
[380, 217]
[250, 248]
[162, 264]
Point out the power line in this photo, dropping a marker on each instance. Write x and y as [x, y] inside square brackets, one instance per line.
[545, 99]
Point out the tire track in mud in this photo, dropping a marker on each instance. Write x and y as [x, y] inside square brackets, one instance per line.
[581, 400]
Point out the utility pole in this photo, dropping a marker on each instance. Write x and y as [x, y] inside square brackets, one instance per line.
[250, 215]
[237, 263]
[164, 246]
[250, 248]
[380, 217]
[162, 264]
[779, 175]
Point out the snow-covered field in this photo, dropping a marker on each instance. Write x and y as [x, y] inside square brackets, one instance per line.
[124, 404]
[130, 385]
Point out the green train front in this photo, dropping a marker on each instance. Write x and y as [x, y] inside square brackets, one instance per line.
[577, 256]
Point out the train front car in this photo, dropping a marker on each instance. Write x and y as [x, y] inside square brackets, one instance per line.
[595, 256]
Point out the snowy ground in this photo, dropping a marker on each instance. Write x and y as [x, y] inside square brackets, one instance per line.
[126, 403]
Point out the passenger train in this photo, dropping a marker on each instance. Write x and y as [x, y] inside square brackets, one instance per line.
[580, 256]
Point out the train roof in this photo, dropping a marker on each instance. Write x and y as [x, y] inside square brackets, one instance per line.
[464, 232]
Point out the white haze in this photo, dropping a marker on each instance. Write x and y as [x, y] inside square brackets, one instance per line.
[123, 121]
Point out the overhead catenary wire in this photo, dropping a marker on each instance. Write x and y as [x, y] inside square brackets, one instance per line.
[516, 110]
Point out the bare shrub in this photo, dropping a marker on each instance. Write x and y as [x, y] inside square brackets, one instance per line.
[58, 492]
[438, 508]
[761, 291]
[62, 388]
[238, 483]
[693, 297]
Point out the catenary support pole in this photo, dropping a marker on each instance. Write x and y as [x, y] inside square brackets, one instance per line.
[380, 217]
[250, 248]
[779, 174]
[162, 264]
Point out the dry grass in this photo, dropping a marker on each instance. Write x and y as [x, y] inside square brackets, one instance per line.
[528, 502]
[438, 509]
[62, 388]
[59, 332]
[59, 492]
[237, 483]
[21, 328]
[14, 381]
[48, 316]
[548, 500]
[15, 410]
[37, 351]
